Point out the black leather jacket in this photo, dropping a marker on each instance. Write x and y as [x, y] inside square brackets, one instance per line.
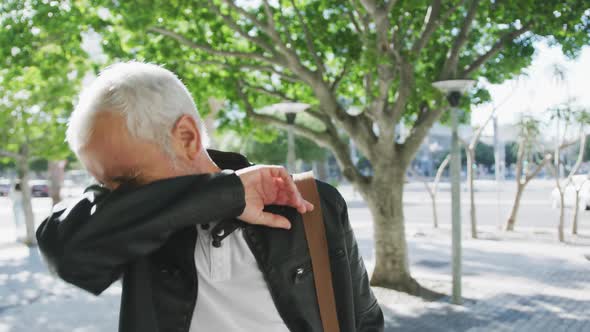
[147, 236]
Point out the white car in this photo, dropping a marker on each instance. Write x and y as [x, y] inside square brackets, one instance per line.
[581, 181]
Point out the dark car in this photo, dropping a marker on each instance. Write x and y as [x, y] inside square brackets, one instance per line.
[4, 187]
[39, 188]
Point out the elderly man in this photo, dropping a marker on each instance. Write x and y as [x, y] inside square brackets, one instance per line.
[202, 240]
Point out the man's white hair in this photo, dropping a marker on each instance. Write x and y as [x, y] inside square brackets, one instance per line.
[150, 98]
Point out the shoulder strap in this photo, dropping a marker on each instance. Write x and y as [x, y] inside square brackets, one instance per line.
[317, 243]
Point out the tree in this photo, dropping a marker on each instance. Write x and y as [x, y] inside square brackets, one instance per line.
[582, 118]
[364, 66]
[529, 162]
[484, 154]
[578, 188]
[470, 147]
[41, 63]
[569, 115]
[433, 190]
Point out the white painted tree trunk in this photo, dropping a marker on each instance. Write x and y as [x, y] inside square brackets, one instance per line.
[470, 181]
[576, 213]
[23, 171]
[561, 215]
[439, 172]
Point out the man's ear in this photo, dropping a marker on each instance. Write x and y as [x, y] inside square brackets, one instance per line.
[186, 137]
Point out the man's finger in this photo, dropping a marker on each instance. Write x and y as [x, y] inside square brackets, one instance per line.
[296, 199]
[308, 206]
[274, 220]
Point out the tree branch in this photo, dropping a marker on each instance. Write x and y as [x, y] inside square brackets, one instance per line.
[520, 159]
[375, 9]
[380, 15]
[566, 145]
[355, 23]
[266, 28]
[207, 48]
[453, 9]
[434, 21]
[289, 59]
[530, 176]
[9, 154]
[379, 106]
[419, 132]
[340, 76]
[405, 90]
[309, 40]
[273, 93]
[328, 138]
[450, 65]
[322, 117]
[234, 26]
[576, 166]
[268, 69]
[496, 48]
[432, 24]
[318, 137]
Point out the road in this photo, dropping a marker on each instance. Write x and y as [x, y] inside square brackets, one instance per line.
[522, 281]
[492, 207]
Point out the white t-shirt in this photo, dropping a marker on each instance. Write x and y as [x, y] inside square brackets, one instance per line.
[232, 294]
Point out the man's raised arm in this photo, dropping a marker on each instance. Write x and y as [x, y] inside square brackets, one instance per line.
[89, 243]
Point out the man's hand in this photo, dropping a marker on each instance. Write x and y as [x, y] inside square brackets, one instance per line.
[266, 185]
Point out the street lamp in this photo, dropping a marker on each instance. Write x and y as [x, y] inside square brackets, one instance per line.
[290, 110]
[454, 90]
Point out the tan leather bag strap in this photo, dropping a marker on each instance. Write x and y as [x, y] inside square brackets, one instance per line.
[315, 233]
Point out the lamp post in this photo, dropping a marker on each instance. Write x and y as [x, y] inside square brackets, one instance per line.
[290, 110]
[454, 90]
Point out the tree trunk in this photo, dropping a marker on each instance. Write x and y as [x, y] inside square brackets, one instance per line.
[23, 171]
[391, 255]
[439, 172]
[576, 213]
[561, 216]
[385, 201]
[470, 180]
[56, 179]
[434, 213]
[515, 207]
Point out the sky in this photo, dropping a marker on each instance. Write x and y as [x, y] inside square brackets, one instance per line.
[538, 90]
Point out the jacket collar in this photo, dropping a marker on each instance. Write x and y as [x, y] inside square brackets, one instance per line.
[228, 160]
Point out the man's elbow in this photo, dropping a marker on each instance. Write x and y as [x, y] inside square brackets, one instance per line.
[82, 275]
[61, 266]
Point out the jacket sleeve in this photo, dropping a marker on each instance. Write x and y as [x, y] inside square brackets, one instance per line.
[89, 243]
[369, 317]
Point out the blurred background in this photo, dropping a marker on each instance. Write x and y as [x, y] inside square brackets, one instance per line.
[367, 94]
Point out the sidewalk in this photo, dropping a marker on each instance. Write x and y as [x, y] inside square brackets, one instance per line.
[510, 283]
[524, 281]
